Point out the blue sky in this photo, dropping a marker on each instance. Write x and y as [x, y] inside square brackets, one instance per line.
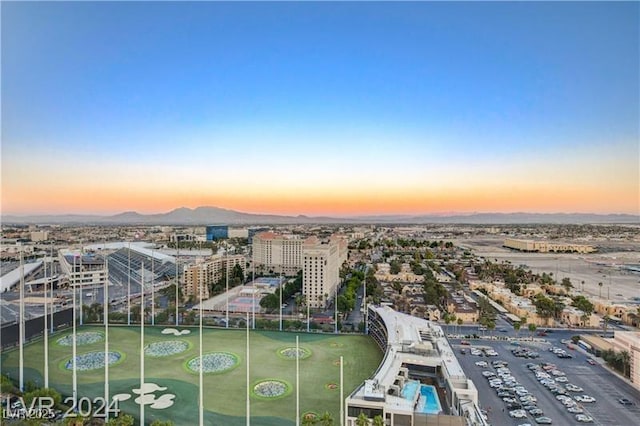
[444, 97]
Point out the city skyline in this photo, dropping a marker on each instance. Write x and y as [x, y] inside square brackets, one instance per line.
[332, 109]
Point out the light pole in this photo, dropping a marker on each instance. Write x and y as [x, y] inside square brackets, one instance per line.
[153, 297]
[105, 306]
[81, 282]
[200, 370]
[142, 387]
[364, 301]
[52, 306]
[226, 294]
[74, 380]
[45, 330]
[129, 285]
[177, 276]
[280, 291]
[21, 319]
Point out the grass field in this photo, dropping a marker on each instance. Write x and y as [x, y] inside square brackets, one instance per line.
[224, 392]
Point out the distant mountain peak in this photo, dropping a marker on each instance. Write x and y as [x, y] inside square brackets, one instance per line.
[210, 215]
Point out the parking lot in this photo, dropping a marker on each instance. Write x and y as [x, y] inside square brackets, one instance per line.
[595, 381]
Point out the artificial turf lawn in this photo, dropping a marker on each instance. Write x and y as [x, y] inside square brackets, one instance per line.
[224, 393]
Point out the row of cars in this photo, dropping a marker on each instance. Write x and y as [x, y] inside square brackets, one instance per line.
[560, 353]
[518, 400]
[480, 352]
[522, 352]
[558, 384]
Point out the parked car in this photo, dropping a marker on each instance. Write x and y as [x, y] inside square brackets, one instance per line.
[543, 420]
[518, 414]
[625, 401]
[583, 418]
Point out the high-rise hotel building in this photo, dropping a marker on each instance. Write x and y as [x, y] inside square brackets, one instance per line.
[277, 253]
[321, 262]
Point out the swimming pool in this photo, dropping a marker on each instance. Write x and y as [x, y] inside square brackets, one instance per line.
[428, 401]
[410, 389]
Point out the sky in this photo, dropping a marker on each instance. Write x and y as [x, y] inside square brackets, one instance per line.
[320, 108]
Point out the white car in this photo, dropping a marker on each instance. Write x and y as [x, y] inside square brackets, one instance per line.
[573, 388]
[584, 398]
[488, 373]
[562, 379]
[575, 410]
[482, 364]
[518, 414]
[584, 418]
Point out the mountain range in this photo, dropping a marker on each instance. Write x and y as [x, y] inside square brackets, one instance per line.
[216, 215]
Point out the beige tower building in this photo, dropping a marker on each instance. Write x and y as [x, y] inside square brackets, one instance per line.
[277, 253]
[321, 262]
[207, 272]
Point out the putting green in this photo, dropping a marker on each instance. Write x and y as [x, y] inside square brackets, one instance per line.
[225, 392]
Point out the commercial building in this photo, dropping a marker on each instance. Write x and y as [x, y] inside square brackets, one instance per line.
[217, 232]
[222, 232]
[419, 382]
[275, 253]
[38, 236]
[83, 270]
[207, 272]
[321, 262]
[630, 341]
[547, 246]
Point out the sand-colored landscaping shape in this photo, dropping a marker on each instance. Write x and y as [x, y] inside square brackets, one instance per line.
[148, 388]
[121, 397]
[175, 332]
[164, 401]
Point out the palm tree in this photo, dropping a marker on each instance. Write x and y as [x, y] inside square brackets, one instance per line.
[532, 328]
[325, 419]
[308, 420]
[625, 358]
[516, 327]
[605, 322]
[600, 293]
[362, 420]
[459, 324]
[585, 316]
[378, 420]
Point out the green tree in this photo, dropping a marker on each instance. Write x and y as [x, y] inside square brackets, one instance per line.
[158, 422]
[532, 328]
[625, 359]
[308, 420]
[237, 276]
[566, 283]
[545, 306]
[42, 392]
[397, 286]
[516, 327]
[122, 420]
[395, 267]
[600, 290]
[325, 419]
[605, 322]
[345, 304]
[6, 385]
[378, 420]
[270, 302]
[362, 420]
